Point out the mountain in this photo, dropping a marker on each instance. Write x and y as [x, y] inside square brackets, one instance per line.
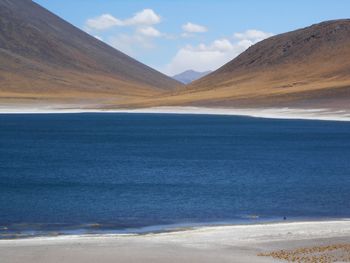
[42, 57]
[189, 76]
[309, 67]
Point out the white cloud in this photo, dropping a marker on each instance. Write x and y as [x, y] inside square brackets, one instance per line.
[130, 44]
[204, 57]
[149, 31]
[253, 35]
[222, 45]
[187, 35]
[211, 56]
[103, 22]
[194, 28]
[146, 17]
[143, 26]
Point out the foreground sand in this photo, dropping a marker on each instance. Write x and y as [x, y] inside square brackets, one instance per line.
[274, 113]
[329, 242]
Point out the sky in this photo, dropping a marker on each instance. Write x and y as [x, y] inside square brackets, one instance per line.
[178, 35]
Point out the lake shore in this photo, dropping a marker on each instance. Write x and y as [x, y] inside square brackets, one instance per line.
[272, 113]
[234, 243]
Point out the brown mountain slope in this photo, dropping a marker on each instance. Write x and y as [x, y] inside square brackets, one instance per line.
[309, 67]
[44, 57]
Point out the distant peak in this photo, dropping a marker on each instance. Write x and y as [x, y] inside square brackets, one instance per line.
[190, 75]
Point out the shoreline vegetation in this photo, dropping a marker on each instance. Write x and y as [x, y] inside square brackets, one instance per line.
[323, 241]
[271, 113]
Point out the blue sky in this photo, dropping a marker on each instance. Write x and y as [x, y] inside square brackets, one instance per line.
[173, 36]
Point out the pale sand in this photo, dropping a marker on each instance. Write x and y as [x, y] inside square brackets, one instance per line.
[273, 113]
[240, 243]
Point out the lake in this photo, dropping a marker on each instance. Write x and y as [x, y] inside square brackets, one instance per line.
[114, 173]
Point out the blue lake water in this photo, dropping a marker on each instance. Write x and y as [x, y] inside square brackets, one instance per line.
[93, 173]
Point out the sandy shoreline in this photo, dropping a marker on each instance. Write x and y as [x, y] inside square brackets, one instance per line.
[235, 243]
[273, 113]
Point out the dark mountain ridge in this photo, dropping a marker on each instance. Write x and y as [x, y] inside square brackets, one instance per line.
[308, 67]
[41, 53]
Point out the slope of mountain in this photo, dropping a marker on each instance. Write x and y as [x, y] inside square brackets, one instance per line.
[44, 57]
[309, 67]
[189, 76]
